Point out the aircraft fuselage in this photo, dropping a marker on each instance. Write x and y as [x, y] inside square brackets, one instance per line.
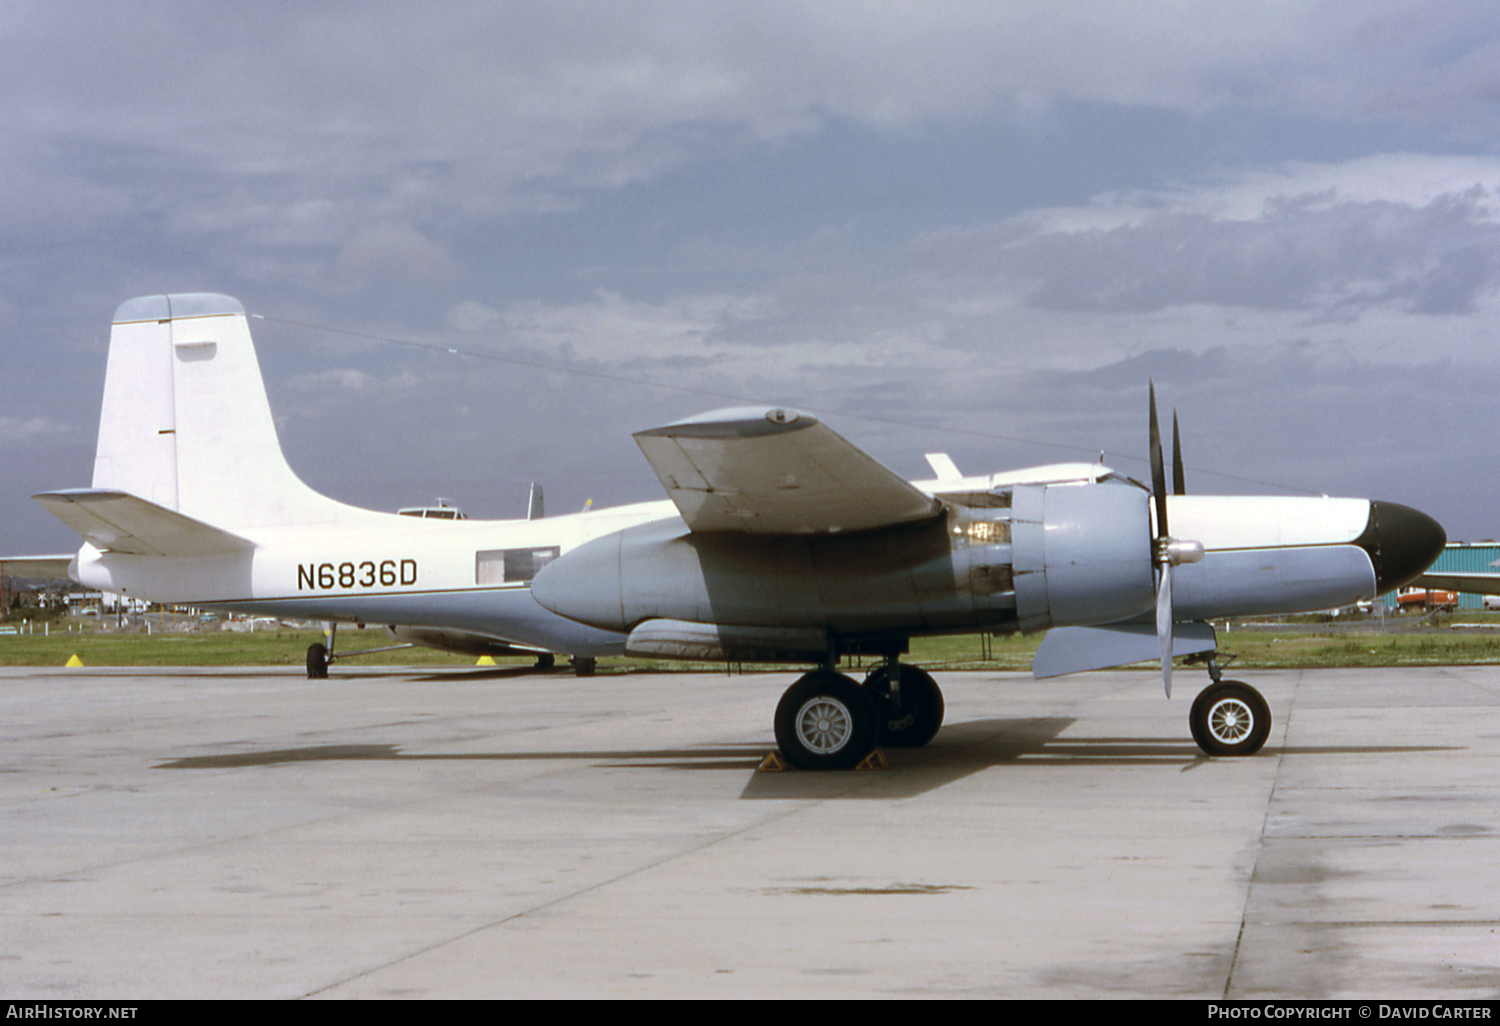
[384, 569]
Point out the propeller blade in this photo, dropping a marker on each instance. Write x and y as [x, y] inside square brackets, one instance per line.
[1160, 554]
[1164, 625]
[1179, 485]
[1158, 470]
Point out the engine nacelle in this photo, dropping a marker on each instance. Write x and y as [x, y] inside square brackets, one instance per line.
[1082, 555]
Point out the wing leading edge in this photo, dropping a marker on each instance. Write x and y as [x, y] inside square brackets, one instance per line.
[776, 471]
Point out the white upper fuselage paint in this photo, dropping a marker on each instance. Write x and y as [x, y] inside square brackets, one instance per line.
[354, 553]
[1223, 522]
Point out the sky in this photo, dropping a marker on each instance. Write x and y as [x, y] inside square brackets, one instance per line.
[972, 228]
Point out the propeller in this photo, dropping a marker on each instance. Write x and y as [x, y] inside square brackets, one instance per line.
[1178, 487]
[1167, 551]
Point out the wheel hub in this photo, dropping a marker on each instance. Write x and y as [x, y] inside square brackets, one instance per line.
[824, 725]
[1230, 720]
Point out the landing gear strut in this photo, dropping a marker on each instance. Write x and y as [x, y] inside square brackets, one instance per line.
[1229, 717]
[910, 713]
[320, 655]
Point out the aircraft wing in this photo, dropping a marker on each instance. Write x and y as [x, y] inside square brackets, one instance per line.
[114, 521]
[37, 568]
[1074, 649]
[776, 471]
[1474, 584]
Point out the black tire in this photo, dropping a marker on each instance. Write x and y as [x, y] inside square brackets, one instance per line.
[1230, 718]
[317, 661]
[583, 666]
[546, 661]
[825, 721]
[921, 713]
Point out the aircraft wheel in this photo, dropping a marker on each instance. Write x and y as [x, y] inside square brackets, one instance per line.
[826, 721]
[1230, 718]
[583, 666]
[546, 661]
[921, 712]
[317, 661]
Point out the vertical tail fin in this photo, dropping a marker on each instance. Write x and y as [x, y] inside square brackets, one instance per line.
[185, 422]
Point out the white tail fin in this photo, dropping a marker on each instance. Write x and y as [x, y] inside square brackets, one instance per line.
[185, 422]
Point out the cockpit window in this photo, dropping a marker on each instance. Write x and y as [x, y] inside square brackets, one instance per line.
[433, 513]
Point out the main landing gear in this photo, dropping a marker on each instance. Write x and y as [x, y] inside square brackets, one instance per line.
[827, 721]
[1229, 717]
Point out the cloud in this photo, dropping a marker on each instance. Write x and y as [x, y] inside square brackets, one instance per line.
[349, 380]
[16, 433]
[502, 104]
[388, 253]
[471, 316]
[369, 148]
[1333, 256]
[1328, 242]
[1325, 258]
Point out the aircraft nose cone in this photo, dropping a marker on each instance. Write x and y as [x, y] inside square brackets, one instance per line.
[1402, 542]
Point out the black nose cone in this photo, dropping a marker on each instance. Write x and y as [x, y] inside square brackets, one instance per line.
[1402, 542]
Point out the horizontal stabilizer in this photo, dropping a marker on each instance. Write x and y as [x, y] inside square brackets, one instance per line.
[1075, 649]
[1472, 583]
[114, 521]
[943, 466]
[37, 568]
[776, 471]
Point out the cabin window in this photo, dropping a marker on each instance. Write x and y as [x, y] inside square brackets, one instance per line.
[511, 566]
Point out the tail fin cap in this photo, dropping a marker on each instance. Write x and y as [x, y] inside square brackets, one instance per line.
[175, 306]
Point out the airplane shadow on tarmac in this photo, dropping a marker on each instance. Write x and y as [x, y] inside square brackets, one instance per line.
[959, 751]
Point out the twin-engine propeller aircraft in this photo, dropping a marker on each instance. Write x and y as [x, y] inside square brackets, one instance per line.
[782, 542]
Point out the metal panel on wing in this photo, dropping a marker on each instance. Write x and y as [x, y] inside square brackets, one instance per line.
[776, 471]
